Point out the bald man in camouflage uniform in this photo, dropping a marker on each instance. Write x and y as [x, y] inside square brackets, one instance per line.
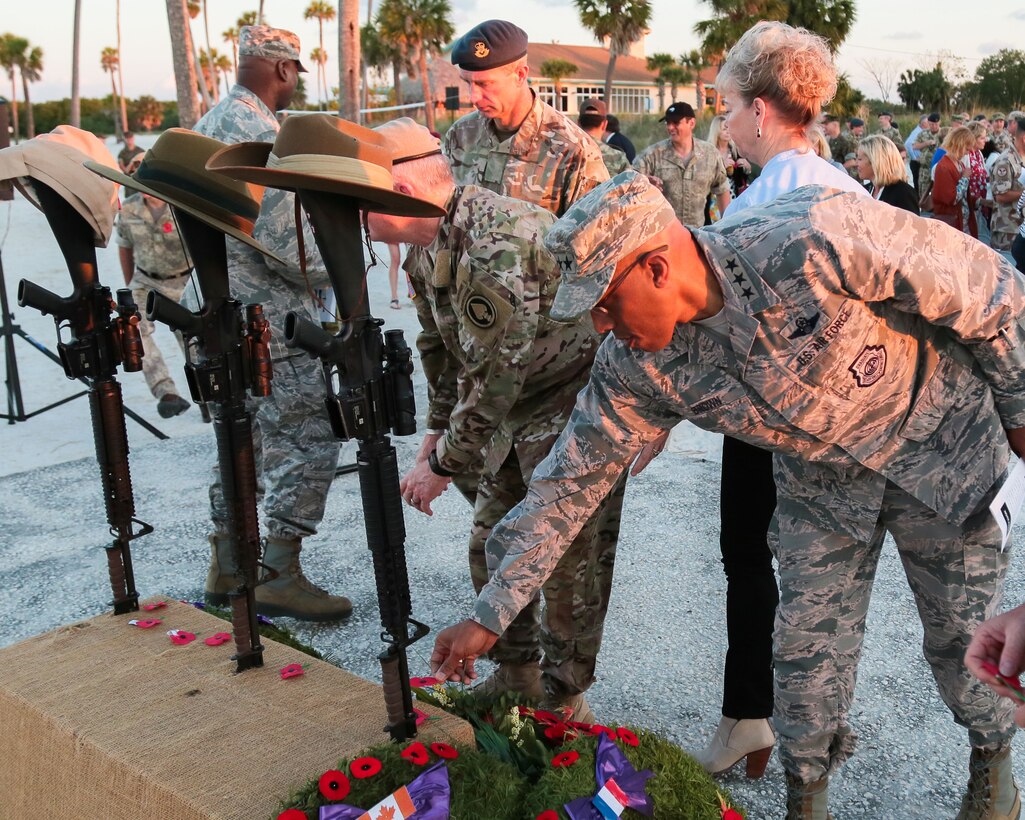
[153, 257]
[502, 378]
[884, 363]
[1006, 184]
[514, 143]
[297, 452]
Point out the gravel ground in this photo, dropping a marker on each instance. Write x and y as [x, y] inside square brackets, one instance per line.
[661, 663]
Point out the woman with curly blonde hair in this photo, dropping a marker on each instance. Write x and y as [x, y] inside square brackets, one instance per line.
[952, 199]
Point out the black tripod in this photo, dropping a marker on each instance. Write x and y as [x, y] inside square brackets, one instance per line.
[15, 403]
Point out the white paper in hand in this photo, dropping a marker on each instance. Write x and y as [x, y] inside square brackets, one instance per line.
[1006, 504]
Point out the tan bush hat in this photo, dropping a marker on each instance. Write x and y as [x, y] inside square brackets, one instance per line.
[174, 170]
[56, 159]
[319, 152]
[596, 232]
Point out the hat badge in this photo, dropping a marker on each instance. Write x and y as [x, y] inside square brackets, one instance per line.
[480, 50]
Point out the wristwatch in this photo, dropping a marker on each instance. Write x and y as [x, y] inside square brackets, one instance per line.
[437, 469]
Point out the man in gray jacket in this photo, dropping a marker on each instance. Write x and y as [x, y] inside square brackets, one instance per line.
[880, 355]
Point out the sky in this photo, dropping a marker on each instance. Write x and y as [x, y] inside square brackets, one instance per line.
[887, 35]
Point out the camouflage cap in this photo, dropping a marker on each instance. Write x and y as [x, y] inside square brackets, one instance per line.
[596, 232]
[997, 116]
[272, 43]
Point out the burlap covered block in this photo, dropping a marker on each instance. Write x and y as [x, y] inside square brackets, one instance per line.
[101, 719]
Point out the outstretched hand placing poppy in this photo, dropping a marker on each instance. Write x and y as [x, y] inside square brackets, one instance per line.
[996, 656]
[456, 649]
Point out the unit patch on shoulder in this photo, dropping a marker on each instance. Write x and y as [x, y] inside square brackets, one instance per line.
[481, 311]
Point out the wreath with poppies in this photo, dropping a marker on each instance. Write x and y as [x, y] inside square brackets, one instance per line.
[528, 764]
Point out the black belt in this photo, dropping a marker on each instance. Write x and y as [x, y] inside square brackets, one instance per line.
[160, 277]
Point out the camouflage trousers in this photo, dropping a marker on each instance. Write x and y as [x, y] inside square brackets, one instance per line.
[1003, 226]
[568, 628]
[158, 378]
[295, 448]
[826, 572]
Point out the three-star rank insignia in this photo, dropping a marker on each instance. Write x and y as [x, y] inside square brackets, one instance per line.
[480, 50]
[480, 311]
[738, 281]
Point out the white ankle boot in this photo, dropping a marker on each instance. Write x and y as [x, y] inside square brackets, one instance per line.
[736, 739]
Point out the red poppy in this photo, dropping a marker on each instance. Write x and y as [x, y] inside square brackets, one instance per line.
[628, 737]
[145, 623]
[416, 753]
[293, 670]
[548, 814]
[157, 605]
[420, 716]
[363, 767]
[731, 814]
[559, 732]
[423, 682]
[566, 758]
[581, 727]
[218, 638]
[525, 711]
[1012, 683]
[334, 785]
[292, 814]
[179, 637]
[444, 750]
[597, 729]
[168, 227]
[541, 716]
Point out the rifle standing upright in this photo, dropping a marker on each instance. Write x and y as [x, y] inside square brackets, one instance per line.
[98, 344]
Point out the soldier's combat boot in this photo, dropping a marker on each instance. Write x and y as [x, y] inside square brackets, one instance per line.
[220, 578]
[524, 678]
[736, 740]
[807, 801]
[574, 707]
[992, 793]
[292, 594]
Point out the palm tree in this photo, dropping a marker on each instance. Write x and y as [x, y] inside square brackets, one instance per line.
[12, 53]
[694, 62]
[659, 63]
[418, 29]
[557, 71]
[319, 57]
[832, 19]
[249, 18]
[259, 16]
[320, 10]
[379, 55]
[622, 22]
[76, 99]
[213, 65]
[223, 65]
[348, 59]
[31, 68]
[194, 8]
[120, 71]
[675, 75]
[730, 19]
[109, 62]
[184, 68]
[230, 35]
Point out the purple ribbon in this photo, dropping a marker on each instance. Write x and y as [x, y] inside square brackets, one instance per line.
[609, 761]
[429, 793]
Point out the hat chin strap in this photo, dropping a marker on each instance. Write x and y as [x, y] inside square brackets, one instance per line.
[343, 169]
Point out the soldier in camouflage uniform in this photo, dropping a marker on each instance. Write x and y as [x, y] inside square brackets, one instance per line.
[926, 144]
[297, 452]
[153, 257]
[514, 143]
[502, 378]
[884, 364]
[1002, 140]
[1006, 184]
[592, 120]
[687, 170]
[889, 130]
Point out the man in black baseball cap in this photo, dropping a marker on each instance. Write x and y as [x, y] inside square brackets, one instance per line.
[515, 144]
[685, 169]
